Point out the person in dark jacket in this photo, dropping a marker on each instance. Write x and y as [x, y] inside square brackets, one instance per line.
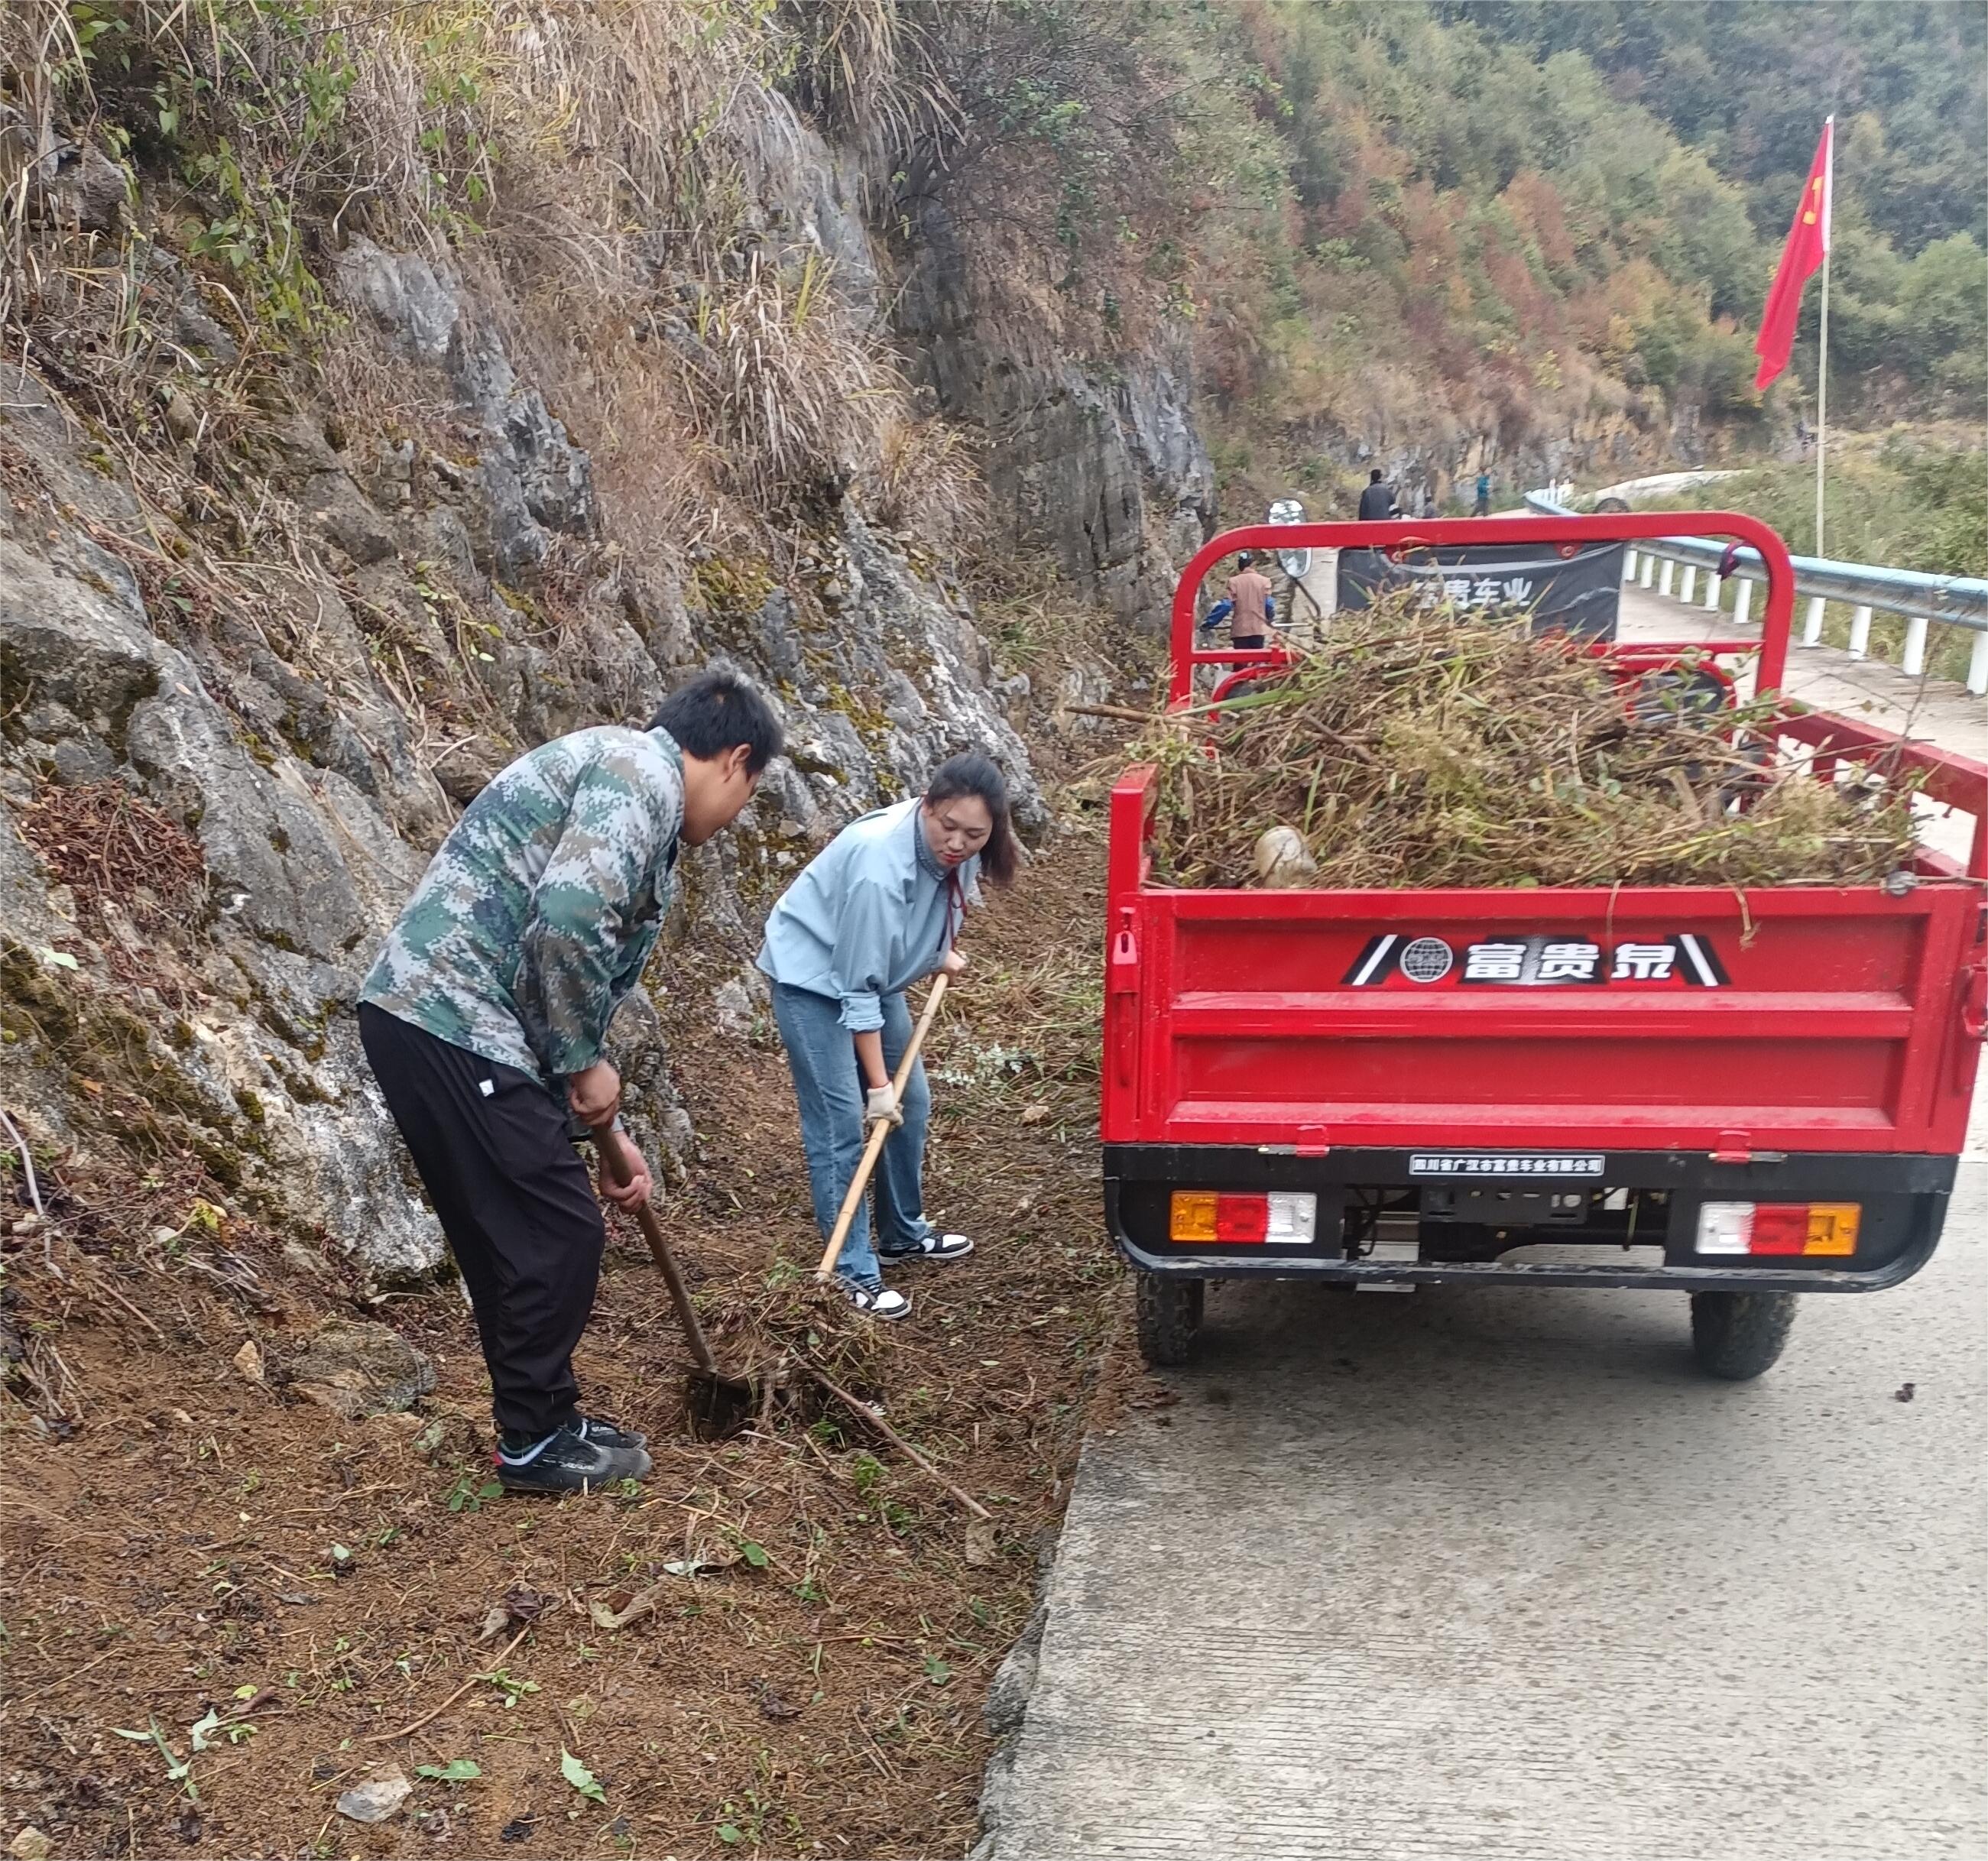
[484, 1019]
[1377, 501]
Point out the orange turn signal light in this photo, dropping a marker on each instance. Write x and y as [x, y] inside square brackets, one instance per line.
[1832, 1228]
[1192, 1215]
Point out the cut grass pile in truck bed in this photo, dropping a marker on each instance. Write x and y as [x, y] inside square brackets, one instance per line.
[1438, 748]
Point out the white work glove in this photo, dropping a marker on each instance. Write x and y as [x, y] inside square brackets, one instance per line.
[882, 1103]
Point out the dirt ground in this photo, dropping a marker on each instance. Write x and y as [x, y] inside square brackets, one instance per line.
[222, 1604]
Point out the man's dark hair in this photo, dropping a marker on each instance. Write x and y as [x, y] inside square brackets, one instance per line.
[1373, 477]
[717, 710]
[972, 775]
[1243, 559]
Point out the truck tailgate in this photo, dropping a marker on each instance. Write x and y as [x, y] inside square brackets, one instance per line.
[1793, 1019]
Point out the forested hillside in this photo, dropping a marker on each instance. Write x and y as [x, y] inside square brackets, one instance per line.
[1533, 236]
[1745, 82]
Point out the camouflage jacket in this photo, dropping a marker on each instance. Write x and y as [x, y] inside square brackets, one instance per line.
[535, 917]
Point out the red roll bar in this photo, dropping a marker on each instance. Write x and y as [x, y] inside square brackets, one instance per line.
[1629, 527]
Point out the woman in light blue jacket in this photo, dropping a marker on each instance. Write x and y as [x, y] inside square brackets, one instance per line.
[876, 910]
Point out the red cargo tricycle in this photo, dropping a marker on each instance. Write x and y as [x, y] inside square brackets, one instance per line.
[1738, 1096]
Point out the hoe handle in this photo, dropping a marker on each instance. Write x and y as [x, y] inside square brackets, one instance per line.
[614, 1161]
[874, 1149]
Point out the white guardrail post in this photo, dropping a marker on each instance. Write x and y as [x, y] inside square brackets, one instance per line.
[1922, 601]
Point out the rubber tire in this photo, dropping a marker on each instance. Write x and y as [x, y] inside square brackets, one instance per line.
[1738, 1336]
[1168, 1311]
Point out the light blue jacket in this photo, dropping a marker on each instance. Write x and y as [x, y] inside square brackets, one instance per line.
[873, 911]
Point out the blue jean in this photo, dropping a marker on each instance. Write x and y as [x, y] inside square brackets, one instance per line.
[829, 1089]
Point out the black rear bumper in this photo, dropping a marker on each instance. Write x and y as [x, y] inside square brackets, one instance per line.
[1903, 1200]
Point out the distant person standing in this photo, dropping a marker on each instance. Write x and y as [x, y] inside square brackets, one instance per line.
[1250, 610]
[1483, 496]
[1377, 501]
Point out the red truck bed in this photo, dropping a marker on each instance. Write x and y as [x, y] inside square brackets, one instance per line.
[1416, 1062]
[1805, 1019]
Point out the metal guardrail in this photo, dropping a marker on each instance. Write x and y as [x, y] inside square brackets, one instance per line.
[1923, 600]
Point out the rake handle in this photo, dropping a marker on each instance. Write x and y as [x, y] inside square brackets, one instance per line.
[880, 1135]
[614, 1159]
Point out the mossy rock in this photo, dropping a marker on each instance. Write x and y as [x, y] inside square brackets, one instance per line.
[735, 586]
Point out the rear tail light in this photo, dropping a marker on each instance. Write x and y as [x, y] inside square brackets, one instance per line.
[1210, 1216]
[1806, 1228]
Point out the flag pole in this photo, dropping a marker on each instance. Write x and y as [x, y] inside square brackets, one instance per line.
[1822, 357]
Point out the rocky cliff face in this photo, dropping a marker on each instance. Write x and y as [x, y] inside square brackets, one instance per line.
[1101, 469]
[1610, 438]
[230, 737]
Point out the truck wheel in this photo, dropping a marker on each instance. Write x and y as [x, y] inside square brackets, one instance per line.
[1738, 1335]
[1168, 1308]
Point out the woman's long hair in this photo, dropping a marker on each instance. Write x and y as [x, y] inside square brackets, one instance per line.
[970, 775]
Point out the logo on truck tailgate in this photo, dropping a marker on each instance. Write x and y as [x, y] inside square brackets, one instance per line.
[1483, 1163]
[1683, 959]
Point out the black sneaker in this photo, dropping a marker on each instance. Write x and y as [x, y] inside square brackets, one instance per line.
[878, 1300]
[931, 1245]
[594, 1429]
[567, 1461]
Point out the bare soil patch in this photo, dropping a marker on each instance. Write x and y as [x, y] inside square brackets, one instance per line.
[805, 1632]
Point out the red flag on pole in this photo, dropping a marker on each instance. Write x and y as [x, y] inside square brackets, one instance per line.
[1807, 246]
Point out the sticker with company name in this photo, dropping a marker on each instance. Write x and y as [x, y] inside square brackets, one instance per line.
[1536, 960]
[1502, 1163]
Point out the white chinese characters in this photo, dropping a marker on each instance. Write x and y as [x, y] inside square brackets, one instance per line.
[1643, 962]
[1495, 962]
[1569, 962]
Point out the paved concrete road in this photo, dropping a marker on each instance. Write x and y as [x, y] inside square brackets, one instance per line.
[1867, 690]
[1497, 1573]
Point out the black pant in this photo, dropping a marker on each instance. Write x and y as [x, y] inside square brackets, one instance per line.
[514, 1198]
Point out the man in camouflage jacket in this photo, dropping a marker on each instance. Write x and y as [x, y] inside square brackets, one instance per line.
[484, 1016]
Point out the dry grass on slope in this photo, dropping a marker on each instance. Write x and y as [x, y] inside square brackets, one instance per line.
[622, 184]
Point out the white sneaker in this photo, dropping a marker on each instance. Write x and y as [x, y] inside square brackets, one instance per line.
[932, 1247]
[878, 1302]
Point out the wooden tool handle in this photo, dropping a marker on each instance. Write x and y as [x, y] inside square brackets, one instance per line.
[874, 1148]
[614, 1159]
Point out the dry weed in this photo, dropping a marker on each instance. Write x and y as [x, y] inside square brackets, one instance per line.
[1447, 749]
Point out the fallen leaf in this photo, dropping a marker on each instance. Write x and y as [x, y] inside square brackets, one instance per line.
[777, 1705]
[458, 1770]
[1035, 1114]
[980, 1546]
[606, 1614]
[520, 1604]
[580, 1777]
[249, 1363]
[378, 1799]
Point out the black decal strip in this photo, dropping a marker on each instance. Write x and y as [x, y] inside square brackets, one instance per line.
[1365, 973]
[1708, 974]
